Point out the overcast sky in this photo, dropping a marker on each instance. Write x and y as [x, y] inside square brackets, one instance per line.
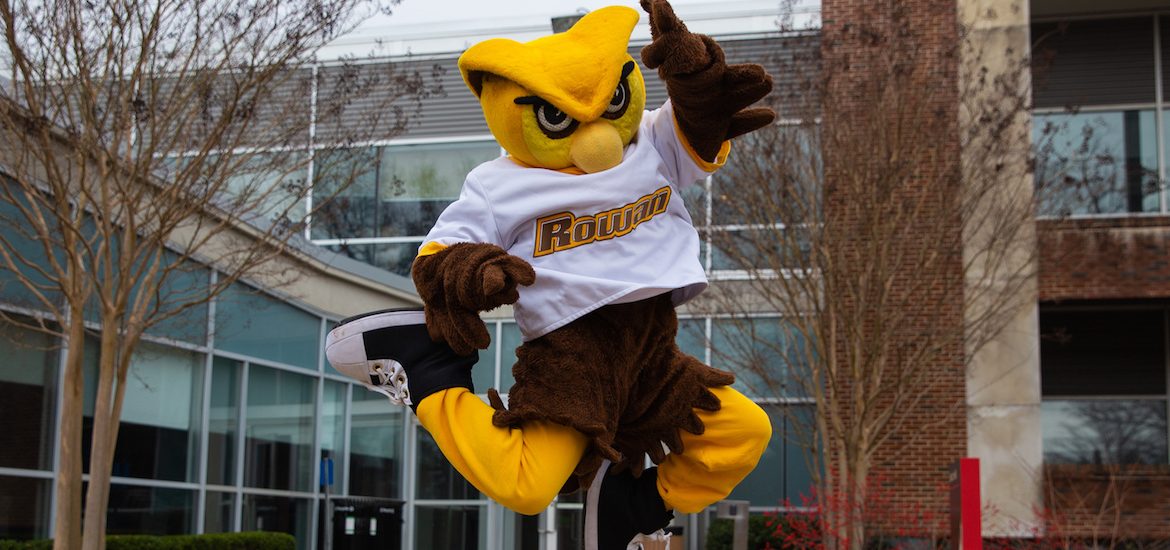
[431, 26]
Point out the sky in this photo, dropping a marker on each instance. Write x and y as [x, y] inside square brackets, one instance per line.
[444, 26]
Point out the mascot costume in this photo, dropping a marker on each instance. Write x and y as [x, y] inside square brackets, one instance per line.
[581, 226]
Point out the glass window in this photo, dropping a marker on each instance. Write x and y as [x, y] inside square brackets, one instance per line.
[1101, 352]
[24, 507]
[135, 510]
[483, 375]
[692, 337]
[437, 479]
[416, 182]
[219, 512]
[268, 185]
[159, 429]
[1097, 162]
[769, 248]
[279, 514]
[782, 476]
[28, 249]
[1104, 431]
[333, 430]
[223, 421]
[185, 284]
[521, 532]
[396, 257]
[510, 339]
[1103, 381]
[249, 322]
[28, 381]
[279, 430]
[449, 527]
[344, 188]
[570, 527]
[375, 445]
[758, 351]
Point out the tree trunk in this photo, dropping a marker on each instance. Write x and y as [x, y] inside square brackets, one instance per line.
[105, 424]
[67, 531]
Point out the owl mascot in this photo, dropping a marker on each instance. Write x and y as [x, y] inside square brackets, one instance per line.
[582, 227]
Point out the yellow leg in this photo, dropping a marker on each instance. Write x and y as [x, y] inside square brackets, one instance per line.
[521, 468]
[712, 464]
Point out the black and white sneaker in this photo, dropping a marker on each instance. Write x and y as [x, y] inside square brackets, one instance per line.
[625, 513]
[391, 353]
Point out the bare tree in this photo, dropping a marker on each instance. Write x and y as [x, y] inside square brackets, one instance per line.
[889, 216]
[149, 144]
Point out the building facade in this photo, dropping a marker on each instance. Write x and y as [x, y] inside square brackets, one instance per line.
[228, 422]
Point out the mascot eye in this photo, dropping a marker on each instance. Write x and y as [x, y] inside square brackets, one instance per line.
[554, 122]
[619, 102]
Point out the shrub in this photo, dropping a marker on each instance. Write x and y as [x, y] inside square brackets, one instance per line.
[762, 533]
[216, 541]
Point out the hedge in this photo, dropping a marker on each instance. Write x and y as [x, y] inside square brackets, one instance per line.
[215, 541]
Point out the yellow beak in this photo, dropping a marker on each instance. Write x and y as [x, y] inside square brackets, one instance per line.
[596, 146]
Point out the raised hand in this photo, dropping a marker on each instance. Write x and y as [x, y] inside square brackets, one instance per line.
[710, 97]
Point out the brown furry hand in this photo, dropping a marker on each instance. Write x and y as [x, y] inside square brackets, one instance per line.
[710, 97]
[458, 282]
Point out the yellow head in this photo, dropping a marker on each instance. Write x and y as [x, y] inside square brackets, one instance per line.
[568, 100]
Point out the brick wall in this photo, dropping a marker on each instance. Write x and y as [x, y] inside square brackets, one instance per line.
[1109, 503]
[917, 149]
[1109, 258]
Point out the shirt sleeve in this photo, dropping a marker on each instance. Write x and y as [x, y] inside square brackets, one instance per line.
[682, 161]
[467, 220]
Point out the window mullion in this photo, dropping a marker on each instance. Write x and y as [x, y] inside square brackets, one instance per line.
[1159, 117]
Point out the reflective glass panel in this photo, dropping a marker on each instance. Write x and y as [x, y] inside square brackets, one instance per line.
[394, 257]
[692, 337]
[252, 323]
[570, 527]
[223, 421]
[27, 246]
[185, 284]
[416, 182]
[764, 486]
[333, 431]
[24, 507]
[799, 428]
[509, 341]
[1096, 162]
[749, 249]
[760, 353]
[344, 190]
[28, 382]
[278, 449]
[280, 514]
[1102, 352]
[375, 445]
[520, 532]
[267, 185]
[483, 375]
[437, 479]
[450, 528]
[137, 510]
[1104, 431]
[157, 437]
[219, 512]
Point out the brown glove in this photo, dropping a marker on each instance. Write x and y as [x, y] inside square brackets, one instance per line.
[462, 280]
[710, 97]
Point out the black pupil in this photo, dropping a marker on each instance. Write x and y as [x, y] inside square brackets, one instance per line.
[617, 97]
[554, 116]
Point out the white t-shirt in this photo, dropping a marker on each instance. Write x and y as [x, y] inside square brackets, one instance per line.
[615, 236]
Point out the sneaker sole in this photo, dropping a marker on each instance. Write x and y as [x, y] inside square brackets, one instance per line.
[345, 346]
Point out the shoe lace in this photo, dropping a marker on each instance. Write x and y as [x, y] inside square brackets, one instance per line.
[388, 378]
